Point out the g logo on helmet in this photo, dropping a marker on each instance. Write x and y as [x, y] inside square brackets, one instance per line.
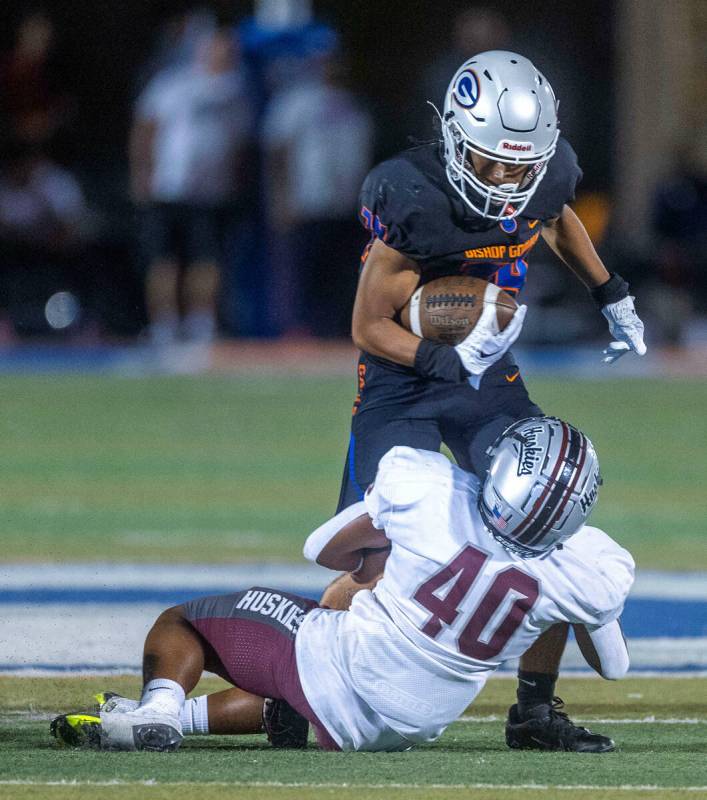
[467, 89]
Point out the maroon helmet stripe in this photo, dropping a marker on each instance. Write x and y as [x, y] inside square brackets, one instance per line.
[561, 493]
[578, 472]
[539, 502]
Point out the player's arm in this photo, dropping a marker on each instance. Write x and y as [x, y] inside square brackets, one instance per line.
[142, 138]
[604, 649]
[387, 281]
[340, 592]
[568, 238]
[343, 541]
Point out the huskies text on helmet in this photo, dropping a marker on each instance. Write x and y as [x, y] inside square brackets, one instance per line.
[541, 485]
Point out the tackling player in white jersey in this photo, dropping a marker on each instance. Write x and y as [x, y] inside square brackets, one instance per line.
[474, 575]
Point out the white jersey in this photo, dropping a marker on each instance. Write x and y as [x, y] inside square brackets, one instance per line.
[453, 604]
[202, 120]
[330, 142]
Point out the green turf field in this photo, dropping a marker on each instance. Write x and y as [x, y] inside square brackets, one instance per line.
[223, 469]
[227, 469]
[660, 728]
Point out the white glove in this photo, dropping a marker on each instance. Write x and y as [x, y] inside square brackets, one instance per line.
[626, 328]
[485, 345]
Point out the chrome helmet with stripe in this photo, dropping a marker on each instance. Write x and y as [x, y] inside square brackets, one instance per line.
[541, 485]
[500, 107]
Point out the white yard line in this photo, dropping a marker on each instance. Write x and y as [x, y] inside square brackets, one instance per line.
[507, 674]
[45, 716]
[670, 585]
[110, 576]
[603, 720]
[332, 785]
[651, 584]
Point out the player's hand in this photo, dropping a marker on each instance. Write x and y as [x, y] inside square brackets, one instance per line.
[485, 345]
[626, 328]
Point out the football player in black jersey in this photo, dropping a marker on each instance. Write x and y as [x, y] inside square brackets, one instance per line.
[476, 204]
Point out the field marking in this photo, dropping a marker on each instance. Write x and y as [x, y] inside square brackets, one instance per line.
[232, 538]
[300, 360]
[505, 673]
[31, 577]
[45, 716]
[405, 786]
[650, 584]
[604, 721]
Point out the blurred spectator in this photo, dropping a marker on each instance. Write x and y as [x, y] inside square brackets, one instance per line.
[32, 102]
[189, 165]
[318, 143]
[43, 219]
[279, 41]
[177, 41]
[474, 30]
[678, 287]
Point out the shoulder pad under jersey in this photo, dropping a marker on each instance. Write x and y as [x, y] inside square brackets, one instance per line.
[404, 478]
[558, 186]
[404, 201]
[610, 572]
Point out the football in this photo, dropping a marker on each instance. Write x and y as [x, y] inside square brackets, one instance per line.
[446, 310]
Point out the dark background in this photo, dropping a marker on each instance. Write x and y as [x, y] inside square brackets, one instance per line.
[102, 58]
[103, 45]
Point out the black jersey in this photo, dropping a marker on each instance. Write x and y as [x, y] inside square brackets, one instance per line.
[409, 204]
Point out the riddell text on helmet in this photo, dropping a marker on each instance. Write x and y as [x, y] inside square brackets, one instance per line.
[517, 146]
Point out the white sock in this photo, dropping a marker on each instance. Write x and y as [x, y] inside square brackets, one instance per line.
[162, 694]
[164, 330]
[199, 326]
[195, 715]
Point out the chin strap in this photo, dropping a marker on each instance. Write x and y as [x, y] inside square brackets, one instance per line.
[436, 110]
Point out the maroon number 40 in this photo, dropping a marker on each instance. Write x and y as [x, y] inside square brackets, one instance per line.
[466, 567]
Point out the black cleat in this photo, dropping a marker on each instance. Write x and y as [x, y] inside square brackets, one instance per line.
[285, 727]
[545, 727]
[77, 730]
[83, 728]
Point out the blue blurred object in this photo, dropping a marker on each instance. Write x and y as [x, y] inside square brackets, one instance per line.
[274, 54]
[302, 41]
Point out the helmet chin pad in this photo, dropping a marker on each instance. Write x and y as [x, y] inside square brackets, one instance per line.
[492, 202]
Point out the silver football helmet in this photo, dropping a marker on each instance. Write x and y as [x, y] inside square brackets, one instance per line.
[500, 107]
[541, 485]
